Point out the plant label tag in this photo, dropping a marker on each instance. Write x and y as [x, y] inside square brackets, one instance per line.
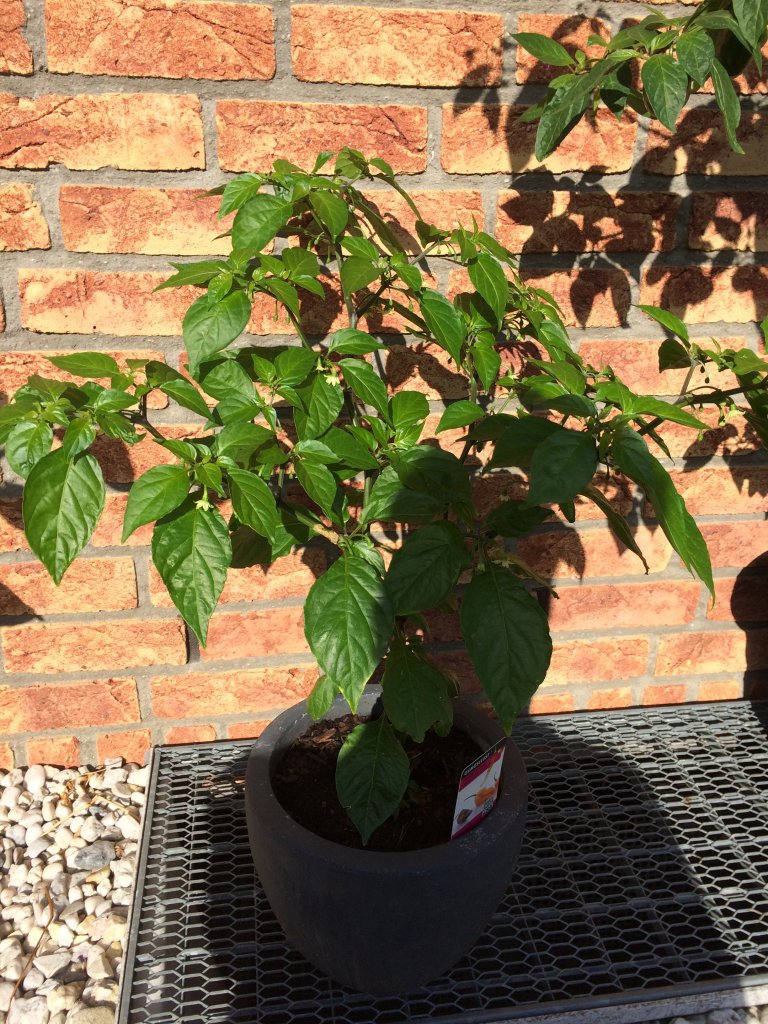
[478, 789]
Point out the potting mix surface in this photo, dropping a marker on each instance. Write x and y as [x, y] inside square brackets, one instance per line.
[642, 884]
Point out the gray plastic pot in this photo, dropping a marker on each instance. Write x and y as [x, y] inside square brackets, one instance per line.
[383, 923]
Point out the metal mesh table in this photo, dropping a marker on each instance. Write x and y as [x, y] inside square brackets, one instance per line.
[642, 889]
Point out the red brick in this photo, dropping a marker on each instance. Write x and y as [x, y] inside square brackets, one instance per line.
[699, 145]
[571, 32]
[551, 703]
[602, 659]
[108, 532]
[89, 585]
[22, 224]
[725, 689]
[375, 46]
[708, 294]
[190, 734]
[721, 651]
[153, 221]
[253, 133]
[92, 302]
[7, 760]
[59, 750]
[491, 139]
[247, 730]
[569, 554]
[11, 526]
[15, 54]
[547, 222]
[69, 705]
[587, 297]
[169, 39]
[130, 744]
[673, 694]
[122, 463]
[96, 645]
[255, 634]
[207, 694]
[636, 362]
[110, 130]
[423, 367]
[619, 697]
[291, 576]
[735, 220]
[740, 600]
[735, 437]
[737, 544]
[624, 605]
[712, 490]
[17, 367]
[446, 208]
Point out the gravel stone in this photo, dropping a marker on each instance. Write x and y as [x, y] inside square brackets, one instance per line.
[92, 1015]
[96, 855]
[32, 1010]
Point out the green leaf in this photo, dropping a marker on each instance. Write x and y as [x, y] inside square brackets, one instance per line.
[487, 363]
[191, 550]
[322, 404]
[321, 697]
[489, 279]
[117, 426]
[210, 476]
[78, 437]
[630, 452]
[695, 53]
[294, 365]
[444, 322]
[283, 292]
[239, 441]
[156, 493]
[408, 410]
[210, 328]
[518, 439]
[365, 384]
[349, 450]
[258, 221]
[350, 342]
[372, 775]
[751, 16]
[348, 620]
[63, 499]
[238, 191]
[224, 378]
[666, 86]
[390, 501]
[563, 111]
[28, 442]
[618, 524]
[515, 518]
[433, 471]
[673, 355]
[425, 570]
[253, 502]
[460, 414]
[331, 211]
[197, 274]
[186, 395]
[562, 465]
[362, 247]
[507, 639]
[545, 49]
[318, 482]
[648, 406]
[113, 400]
[300, 262]
[356, 273]
[92, 365]
[667, 320]
[728, 101]
[413, 691]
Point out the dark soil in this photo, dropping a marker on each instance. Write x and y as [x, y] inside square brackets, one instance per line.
[305, 785]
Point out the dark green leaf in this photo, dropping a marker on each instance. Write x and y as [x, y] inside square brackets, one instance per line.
[507, 638]
[489, 279]
[413, 691]
[751, 16]
[210, 328]
[258, 221]
[92, 365]
[390, 501]
[318, 482]
[408, 410]
[518, 439]
[728, 101]
[562, 466]
[349, 450]
[253, 502]
[563, 111]
[666, 86]
[156, 493]
[618, 524]
[191, 550]
[695, 52]
[323, 400]
[426, 569]
[321, 697]
[433, 471]
[487, 363]
[515, 518]
[545, 49]
[444, 322]
[348, 620]
[351, 342]
[673, 355]
[371, 775]
[63, 499]
[27, 444]
[365, 384]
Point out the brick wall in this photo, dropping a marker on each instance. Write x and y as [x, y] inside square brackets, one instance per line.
[115, 114]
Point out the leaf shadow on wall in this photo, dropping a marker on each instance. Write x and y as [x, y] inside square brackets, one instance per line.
[748, 607]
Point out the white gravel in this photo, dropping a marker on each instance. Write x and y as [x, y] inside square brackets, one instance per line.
[68, 849]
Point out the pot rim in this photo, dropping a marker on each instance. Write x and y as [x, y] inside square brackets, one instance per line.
[510, 805]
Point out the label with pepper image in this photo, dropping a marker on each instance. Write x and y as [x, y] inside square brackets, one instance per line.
[478, 790]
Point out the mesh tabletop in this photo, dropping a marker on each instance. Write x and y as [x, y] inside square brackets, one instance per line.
[642, 885]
